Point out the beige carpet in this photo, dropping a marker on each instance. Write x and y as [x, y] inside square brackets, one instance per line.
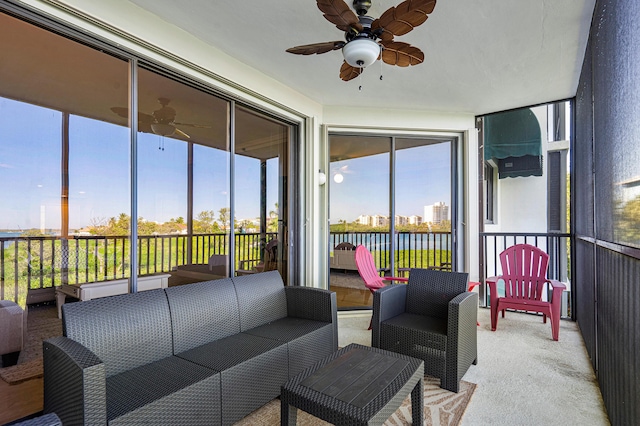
[42, 323]
[441, 407]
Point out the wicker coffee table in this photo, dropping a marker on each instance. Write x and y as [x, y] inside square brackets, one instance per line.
[357, 385]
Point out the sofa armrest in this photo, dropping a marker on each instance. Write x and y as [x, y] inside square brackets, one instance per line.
[74, 382]
[314, 304]
[388, 302]
[462, 329]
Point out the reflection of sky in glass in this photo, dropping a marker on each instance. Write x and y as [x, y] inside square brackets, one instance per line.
[422, 178]
[99, 173]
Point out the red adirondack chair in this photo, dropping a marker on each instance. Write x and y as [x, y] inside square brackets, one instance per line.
[524, 271]
[369, 273]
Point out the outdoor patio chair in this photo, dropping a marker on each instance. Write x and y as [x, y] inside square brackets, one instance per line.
[370, 274]
[432, 318]
[524, 272]
[268, 263]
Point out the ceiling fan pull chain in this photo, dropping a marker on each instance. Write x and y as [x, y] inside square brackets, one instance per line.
[360, 81]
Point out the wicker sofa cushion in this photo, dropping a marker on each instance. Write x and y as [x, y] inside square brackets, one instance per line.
[124, 331]
[261, 299]
[162, 393]
[203, 312]
[306, 340]
[252, 370]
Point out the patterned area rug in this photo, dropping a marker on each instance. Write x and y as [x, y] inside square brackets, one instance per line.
[441, 408]
[42, 323]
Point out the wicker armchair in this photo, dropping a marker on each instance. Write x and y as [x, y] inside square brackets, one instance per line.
[433, 318]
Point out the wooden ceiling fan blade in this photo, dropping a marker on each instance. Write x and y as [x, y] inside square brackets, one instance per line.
[338, 13]
[124, 112]
[145, 127]
[403, 18]
[347, 72]
[121, 111]
[401, 54]
[316, 48]
[197, 126]
[181, 133]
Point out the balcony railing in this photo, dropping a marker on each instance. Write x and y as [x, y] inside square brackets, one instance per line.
[556, 245]
[33, 263]
[412, 249]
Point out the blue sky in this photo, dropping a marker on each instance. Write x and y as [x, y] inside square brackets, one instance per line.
[422, 178]
[99, 157]
[30, 158]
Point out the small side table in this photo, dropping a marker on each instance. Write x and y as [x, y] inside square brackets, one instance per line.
[357, 385]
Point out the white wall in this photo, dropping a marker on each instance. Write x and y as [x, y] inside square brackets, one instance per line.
[522, 201]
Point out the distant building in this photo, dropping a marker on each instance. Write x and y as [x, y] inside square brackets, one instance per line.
[378, 220]
[364, 219]
[436, 213]
[402, 220]
[415, 220]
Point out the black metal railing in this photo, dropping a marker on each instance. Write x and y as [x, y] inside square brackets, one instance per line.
[556, 245]
[32, 263]
[412, 249]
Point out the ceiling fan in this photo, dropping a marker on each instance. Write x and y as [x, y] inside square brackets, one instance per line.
[160, 122]
[368, 39]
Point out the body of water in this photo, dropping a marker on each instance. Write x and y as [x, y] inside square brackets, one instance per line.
[9, 235]
[404, 241]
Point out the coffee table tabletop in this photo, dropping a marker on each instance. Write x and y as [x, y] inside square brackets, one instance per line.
[357, 385]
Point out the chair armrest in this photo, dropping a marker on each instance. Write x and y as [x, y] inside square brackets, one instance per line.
[74, 382]
[314, 304]
[388, 302]
[493, 289]
[399, 279]
[462, 329]
[557, 285]
[557, 288]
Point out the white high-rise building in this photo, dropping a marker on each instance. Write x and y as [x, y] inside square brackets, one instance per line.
[436, 213]
[415, 220]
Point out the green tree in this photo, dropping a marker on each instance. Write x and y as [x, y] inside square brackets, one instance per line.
[146, 227]
[628, 226]
[272, 221]
[224, 216]
[205, 223]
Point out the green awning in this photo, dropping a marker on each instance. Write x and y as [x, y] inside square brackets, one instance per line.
[512, 134]
[512, 139]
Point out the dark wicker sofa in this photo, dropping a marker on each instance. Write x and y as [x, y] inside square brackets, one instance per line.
[200, 354]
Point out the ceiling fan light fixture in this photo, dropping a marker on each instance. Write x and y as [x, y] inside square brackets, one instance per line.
[361, 52]
[163, 129]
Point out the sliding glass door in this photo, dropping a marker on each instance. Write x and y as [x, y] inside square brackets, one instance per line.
[200, 192]
[392, 195]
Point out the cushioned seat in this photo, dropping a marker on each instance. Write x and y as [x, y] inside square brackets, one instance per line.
[401, 327]
[244, 361]
[305, 339]
[161, 392]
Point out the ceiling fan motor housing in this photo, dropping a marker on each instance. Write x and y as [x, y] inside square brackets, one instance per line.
[361, 6]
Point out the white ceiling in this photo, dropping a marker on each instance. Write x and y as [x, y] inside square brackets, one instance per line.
[481, 56]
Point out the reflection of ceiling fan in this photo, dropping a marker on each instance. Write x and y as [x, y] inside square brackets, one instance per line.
[362, 47]
[161, 121]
